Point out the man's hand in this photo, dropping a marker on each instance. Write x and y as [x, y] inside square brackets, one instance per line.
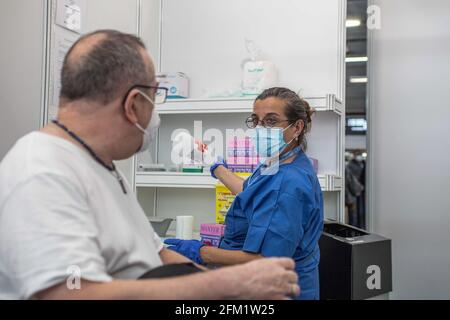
[263, 279]
[267, 279]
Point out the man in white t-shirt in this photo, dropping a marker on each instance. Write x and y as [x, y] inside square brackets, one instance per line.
[70, 226]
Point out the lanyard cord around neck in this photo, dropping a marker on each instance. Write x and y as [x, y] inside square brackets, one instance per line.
[111, 169]
[289, 154]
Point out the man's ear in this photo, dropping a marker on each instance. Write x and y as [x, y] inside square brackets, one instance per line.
[130, 108]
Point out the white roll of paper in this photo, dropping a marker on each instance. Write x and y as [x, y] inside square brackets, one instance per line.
[185, 227]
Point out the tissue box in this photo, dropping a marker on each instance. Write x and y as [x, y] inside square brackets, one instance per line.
[211, 234]
[241, 155]
[177, 84]
[211, 241]
[212, 229]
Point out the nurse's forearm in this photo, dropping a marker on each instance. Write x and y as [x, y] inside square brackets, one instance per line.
[234, 183]
[171, 257]
[224, 257]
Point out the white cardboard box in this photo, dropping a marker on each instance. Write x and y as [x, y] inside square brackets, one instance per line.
[177, 84]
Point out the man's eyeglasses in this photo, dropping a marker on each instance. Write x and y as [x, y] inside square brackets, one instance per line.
[268, 122]
[159, 93]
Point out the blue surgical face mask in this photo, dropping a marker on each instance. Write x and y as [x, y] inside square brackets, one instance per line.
[269, 142]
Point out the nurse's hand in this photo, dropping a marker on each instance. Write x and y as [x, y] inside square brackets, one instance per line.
[234, 183]
[188, 248]
[220, 162]
[268, 278]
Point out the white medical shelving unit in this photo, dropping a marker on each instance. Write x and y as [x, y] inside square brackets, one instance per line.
[305, 39]
[205, 39]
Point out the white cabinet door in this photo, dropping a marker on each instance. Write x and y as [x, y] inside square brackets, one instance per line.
[303, 38]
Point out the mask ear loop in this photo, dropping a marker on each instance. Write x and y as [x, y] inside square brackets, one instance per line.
[295, 138]
[140, 128]
[146, 97]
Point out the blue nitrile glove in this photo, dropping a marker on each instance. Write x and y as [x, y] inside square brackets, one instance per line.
[188, 248]
[220, 162]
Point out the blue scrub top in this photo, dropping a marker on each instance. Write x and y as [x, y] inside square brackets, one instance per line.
[281, 215]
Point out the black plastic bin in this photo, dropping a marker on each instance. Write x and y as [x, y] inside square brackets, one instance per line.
[354, 264]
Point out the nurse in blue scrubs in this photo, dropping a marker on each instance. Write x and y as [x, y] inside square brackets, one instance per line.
[278, 211]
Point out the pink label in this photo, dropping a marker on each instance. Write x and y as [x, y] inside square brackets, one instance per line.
[212, 229]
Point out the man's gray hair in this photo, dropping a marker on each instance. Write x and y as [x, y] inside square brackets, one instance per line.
[106, 70]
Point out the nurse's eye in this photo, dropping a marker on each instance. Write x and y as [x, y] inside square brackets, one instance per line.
[270, 122]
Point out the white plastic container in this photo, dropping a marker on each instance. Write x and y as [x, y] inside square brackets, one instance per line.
[185, 227]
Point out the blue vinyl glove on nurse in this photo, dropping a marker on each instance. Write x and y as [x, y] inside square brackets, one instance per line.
[220, 162]
[187, 248]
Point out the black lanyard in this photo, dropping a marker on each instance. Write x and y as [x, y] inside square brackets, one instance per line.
[111, 169]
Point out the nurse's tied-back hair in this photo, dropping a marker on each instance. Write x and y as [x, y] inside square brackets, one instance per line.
[296, 109]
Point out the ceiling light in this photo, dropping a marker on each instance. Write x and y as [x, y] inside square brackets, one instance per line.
[358, 80]
[356, 59]
[352, 23]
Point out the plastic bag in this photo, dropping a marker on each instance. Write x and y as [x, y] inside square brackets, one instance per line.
[258, 74]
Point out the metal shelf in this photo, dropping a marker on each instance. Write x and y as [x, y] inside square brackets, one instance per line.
[237, 105]
[205, 181]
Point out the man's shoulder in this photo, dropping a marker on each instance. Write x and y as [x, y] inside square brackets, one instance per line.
[38, 150]
[36, 154]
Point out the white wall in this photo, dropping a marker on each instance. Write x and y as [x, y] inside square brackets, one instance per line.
[22, 35]
[410, 143]
[21, 56]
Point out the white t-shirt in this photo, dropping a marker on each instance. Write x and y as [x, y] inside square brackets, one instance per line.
[60, 208]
